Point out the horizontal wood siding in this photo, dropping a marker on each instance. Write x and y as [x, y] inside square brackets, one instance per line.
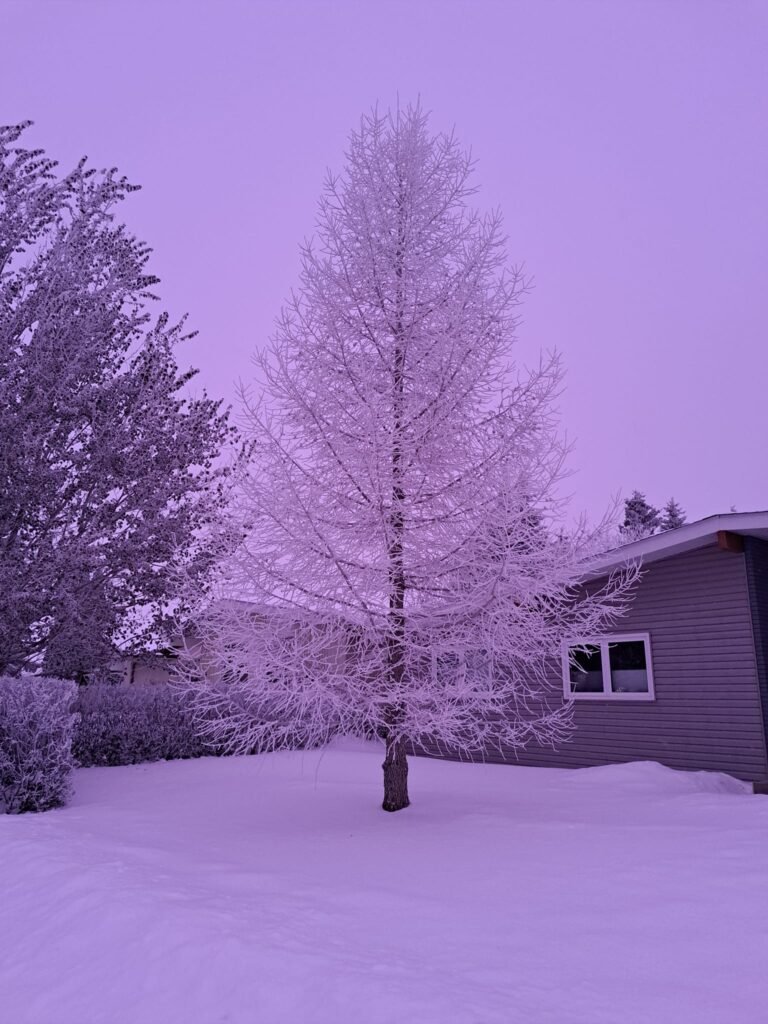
[707, 713]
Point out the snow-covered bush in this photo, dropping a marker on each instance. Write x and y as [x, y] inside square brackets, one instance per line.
[37, 722]
[120, 725]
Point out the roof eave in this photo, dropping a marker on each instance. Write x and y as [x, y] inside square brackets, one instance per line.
[684, 538]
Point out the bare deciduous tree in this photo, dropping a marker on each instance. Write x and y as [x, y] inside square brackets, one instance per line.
[400, 576]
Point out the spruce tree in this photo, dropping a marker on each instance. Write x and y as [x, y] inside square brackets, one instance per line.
[640, 518]
[672, 516]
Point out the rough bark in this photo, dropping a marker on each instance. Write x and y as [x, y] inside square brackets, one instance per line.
[395, 776]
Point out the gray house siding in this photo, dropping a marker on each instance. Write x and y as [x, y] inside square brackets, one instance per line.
[756, 557]
[707, 712]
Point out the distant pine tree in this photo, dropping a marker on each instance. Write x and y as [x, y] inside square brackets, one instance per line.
[672, 516]
[640, 518]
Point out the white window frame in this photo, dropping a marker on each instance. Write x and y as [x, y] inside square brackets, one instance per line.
[607, 693]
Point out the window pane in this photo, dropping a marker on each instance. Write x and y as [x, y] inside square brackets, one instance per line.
[629, 673]
[586, 669]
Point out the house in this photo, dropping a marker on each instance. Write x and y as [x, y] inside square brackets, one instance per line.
[145, 670]
[683, 678]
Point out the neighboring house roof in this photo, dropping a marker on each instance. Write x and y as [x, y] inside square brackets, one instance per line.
[684, 538]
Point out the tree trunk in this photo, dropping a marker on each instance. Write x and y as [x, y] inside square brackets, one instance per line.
[395, 776]
[395, 761]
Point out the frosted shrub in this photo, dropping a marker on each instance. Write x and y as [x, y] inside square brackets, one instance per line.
[127, 726]
[37, 723]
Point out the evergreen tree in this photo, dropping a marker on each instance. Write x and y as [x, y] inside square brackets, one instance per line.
[672, 516]
[640, 518]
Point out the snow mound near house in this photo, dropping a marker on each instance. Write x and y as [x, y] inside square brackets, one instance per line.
[273, 888]
[651, 777]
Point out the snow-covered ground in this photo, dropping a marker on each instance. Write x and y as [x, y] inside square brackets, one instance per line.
[273, 889]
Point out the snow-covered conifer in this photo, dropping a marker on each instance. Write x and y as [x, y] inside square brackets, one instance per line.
[672, 516]
[640, 518]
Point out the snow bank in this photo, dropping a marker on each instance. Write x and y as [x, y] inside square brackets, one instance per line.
[272, 888]
[651, 777]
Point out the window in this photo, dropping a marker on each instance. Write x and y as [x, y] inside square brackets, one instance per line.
[615, 668]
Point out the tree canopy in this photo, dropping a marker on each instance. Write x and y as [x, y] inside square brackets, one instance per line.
[399, 575]
[109, 473]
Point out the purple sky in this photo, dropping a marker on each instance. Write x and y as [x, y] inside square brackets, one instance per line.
[624, 141]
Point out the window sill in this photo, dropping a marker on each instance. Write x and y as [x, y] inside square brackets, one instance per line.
[612, 698]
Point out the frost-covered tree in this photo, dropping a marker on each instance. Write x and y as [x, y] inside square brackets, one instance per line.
[640, 518]
[672, 516]
[106, 469]
[398, 578]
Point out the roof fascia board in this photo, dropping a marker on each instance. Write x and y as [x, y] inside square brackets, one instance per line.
[684, 538]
